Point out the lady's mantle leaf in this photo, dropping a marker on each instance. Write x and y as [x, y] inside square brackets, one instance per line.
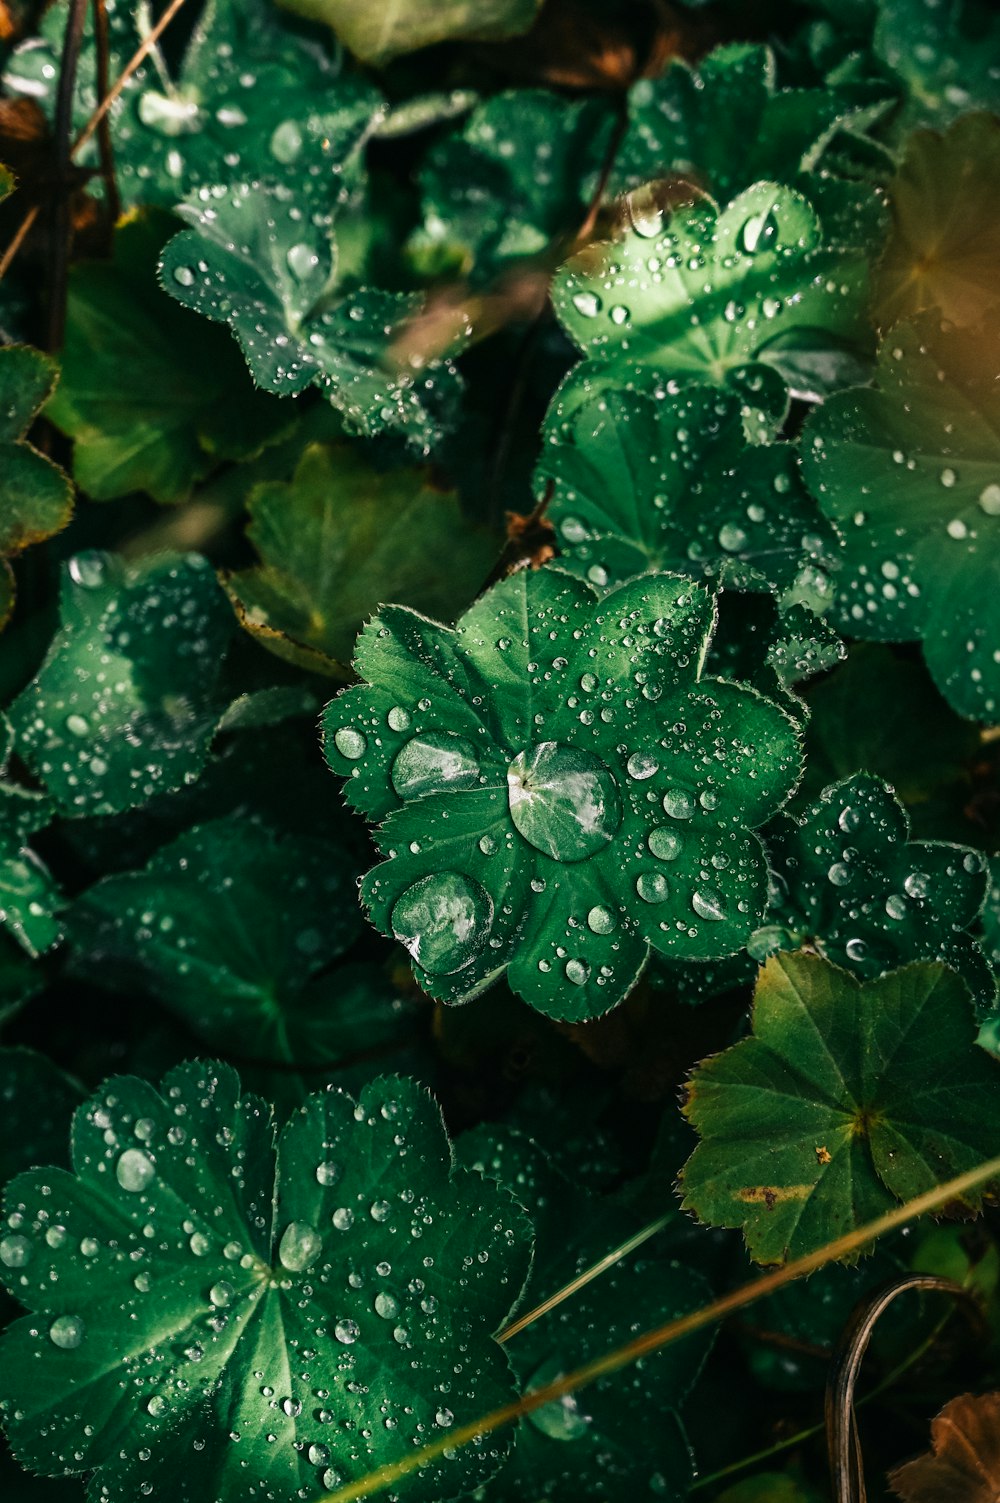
[339, 540]
[849, 882]
[292, 1320]
[944, 247]
[517, 176]
[963, 1465]
[378, 33]
[726, 125]
[910, 469]
[154, 398]
[123, 705]
[670, 482]
[587, 1448]
[708, 292]
[849, 1097]
[36, 497]
[563, 790]
[258, 261]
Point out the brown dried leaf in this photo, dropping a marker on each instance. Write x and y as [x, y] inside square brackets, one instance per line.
[963, 1465]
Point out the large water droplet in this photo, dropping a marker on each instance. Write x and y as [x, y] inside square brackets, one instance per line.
[678, 803]
[15, 1251]
[300, 1246]
[601, 920]
[350, 743]
[759, 233]
[564, 801]
[652, 887]
[708, 904]
[433, 761]
[134, 1170]
[444, 921]
[347, 1331]
[666, 845]
[67, 1332]
[302, 260]
[587, 303]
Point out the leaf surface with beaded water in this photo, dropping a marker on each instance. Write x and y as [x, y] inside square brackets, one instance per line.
[294, 1298]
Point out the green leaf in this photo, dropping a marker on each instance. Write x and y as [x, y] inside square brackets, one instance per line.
[758, 643]
[285, 1305]
[726, 124]
[848, 1098]
[124, 704]
[516, 177]
[153, 398]
[36, 497]
[713, 291]
[644, 482]
[38, 1101]
[377, 36]
[944, 246]
[849, 882]
[258, 261]
[910, 471]
[339, 539]
[233, 928]
[945, 56]
[563, 790]
[588, 1447]
[249, 91]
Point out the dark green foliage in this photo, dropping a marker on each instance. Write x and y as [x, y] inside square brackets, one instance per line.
[499, 578]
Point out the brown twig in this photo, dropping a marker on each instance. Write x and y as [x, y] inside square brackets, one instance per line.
[102, 51]
[59, 209]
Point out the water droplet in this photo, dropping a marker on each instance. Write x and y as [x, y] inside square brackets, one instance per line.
[350, 743]
[989, 500]
[157, 1406]
[619, 314]
[856, 949]
[318, 1455]
[652, 887]
[666, 845]
[328, 1173]
[488, 845]
[15, 1251]
[444, 921]
[302, 261]
[398, 719]
[221, 1293]
[184, 276]
[601, 920]
[641, 765]
[839, 874]
[444, 1418]
[67, 1332]
[564, 801]
[917, 884]
[948, 478]
[433, 761]
[732, 538]
[708, 904]
[386, 1305]
[286, 142]
[77, 725]
[134, 1170]
[588, 304]
[343, 1218]
[300, 1246]
[678, 803]
[759, 233]
[347, 1331]
[577, 972]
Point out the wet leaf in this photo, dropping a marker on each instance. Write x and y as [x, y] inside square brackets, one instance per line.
[258, 261]
[233, 928]
[286, 1305]
[378, 35]
[587, 1447]
[340, 539]
[124, 704]
[963, 1465]
[36, 497]
[945, 56]
[944, 246]
[849, 882]
[706, 292]
[153, 398]
[726, 124]
[910, 471]
[558, 789]
[774, 650]
[848, 1098]
[669, 482]
[516, 177]
[248, 94]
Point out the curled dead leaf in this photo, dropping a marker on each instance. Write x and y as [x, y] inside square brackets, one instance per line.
[963, 1464]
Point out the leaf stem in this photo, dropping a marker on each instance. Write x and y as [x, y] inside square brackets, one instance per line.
[673, 1330]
